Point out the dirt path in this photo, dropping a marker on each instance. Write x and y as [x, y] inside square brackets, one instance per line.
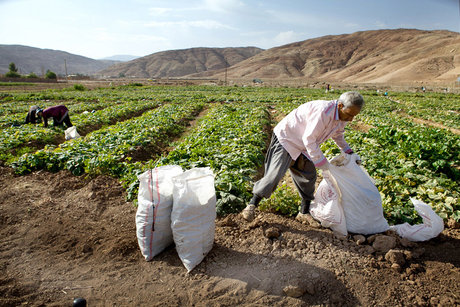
[65, 237]
[425, 121]
[433, 124]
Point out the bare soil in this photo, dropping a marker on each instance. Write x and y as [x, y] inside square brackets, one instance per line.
[64, 237]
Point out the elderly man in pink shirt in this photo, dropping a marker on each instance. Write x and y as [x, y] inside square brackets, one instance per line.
[295, 145]
[60, 114]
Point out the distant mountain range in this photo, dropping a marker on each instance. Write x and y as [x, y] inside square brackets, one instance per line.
[36, 60]
[381, 56]
[121, 57]
[178, 63]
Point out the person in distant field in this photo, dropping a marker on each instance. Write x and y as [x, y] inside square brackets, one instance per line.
[60, 115]
[32, 115]
[295, 145]
[328, 87]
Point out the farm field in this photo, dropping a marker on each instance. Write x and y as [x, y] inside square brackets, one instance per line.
[67, 207]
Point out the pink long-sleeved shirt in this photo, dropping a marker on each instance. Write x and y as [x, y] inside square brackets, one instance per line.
[304, 129]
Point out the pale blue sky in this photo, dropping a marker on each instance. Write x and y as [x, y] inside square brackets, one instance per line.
[102, 28]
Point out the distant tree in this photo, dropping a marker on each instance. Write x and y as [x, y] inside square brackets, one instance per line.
[13, 67]
[13, 73]
[50, 75]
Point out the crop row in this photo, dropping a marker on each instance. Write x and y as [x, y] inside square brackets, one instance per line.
[104, 150]
[18, 118]
[437, 108]
[230, 140]
[407, 160]
[15, 141]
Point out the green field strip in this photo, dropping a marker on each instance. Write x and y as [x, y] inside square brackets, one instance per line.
[102, 151]
[36, 136]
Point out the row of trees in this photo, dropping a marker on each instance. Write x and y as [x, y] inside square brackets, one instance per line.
[13, 73]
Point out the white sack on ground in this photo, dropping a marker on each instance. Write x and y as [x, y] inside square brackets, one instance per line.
[153, 216]
[327, 207]
[193, 215]
[71, 133]
[361, 201]
[359, 198]
[432, 225]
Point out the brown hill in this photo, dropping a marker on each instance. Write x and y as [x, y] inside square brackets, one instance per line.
[382, 56]
[30, 59]
[177, 63]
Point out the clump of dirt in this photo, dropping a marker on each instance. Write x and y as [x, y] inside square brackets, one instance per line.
[65, 237]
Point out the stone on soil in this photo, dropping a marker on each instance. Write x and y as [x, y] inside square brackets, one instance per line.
[293, 291]
[272, 233]
[407, 243]
[395, 256]
[359, 239]
[383, 243]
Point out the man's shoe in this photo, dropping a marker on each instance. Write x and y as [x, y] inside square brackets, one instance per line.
[249, 213]
[306, 217]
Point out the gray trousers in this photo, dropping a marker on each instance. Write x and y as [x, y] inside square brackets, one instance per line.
[277, 162]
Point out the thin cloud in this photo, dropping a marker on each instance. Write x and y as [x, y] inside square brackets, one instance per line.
[149, 38]
[204, 24]
[380, 24]
[159, 11]
[285, 37]
[224, 5]
[294, 18]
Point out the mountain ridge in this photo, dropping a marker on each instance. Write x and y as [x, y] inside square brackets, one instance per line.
[378, 56]
[37, 60]
[181, 62]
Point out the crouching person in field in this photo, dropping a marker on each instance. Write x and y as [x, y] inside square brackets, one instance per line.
[32, 115]
[295, 145]
[60, 115]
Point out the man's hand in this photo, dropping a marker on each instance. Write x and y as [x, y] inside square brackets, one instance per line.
[358, 158]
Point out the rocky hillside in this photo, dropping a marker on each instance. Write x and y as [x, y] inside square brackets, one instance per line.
[177, 63]
[402, 55]
[38, 61]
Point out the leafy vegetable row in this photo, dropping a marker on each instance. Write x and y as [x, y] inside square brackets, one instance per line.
[230, 139]
[15, 141]
[104, 151]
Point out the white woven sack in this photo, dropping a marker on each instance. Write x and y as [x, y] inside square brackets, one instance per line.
[193, 215]
[153, 216]
[327, 207]
[432, 225]
[361, 201]
[71, 133]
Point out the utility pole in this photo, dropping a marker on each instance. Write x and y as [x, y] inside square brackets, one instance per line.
[65, 65]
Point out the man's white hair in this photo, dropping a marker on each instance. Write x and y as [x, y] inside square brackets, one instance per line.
[351, 99]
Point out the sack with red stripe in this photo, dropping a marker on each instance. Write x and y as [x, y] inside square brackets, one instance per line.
[193, 215]
[153, 216]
